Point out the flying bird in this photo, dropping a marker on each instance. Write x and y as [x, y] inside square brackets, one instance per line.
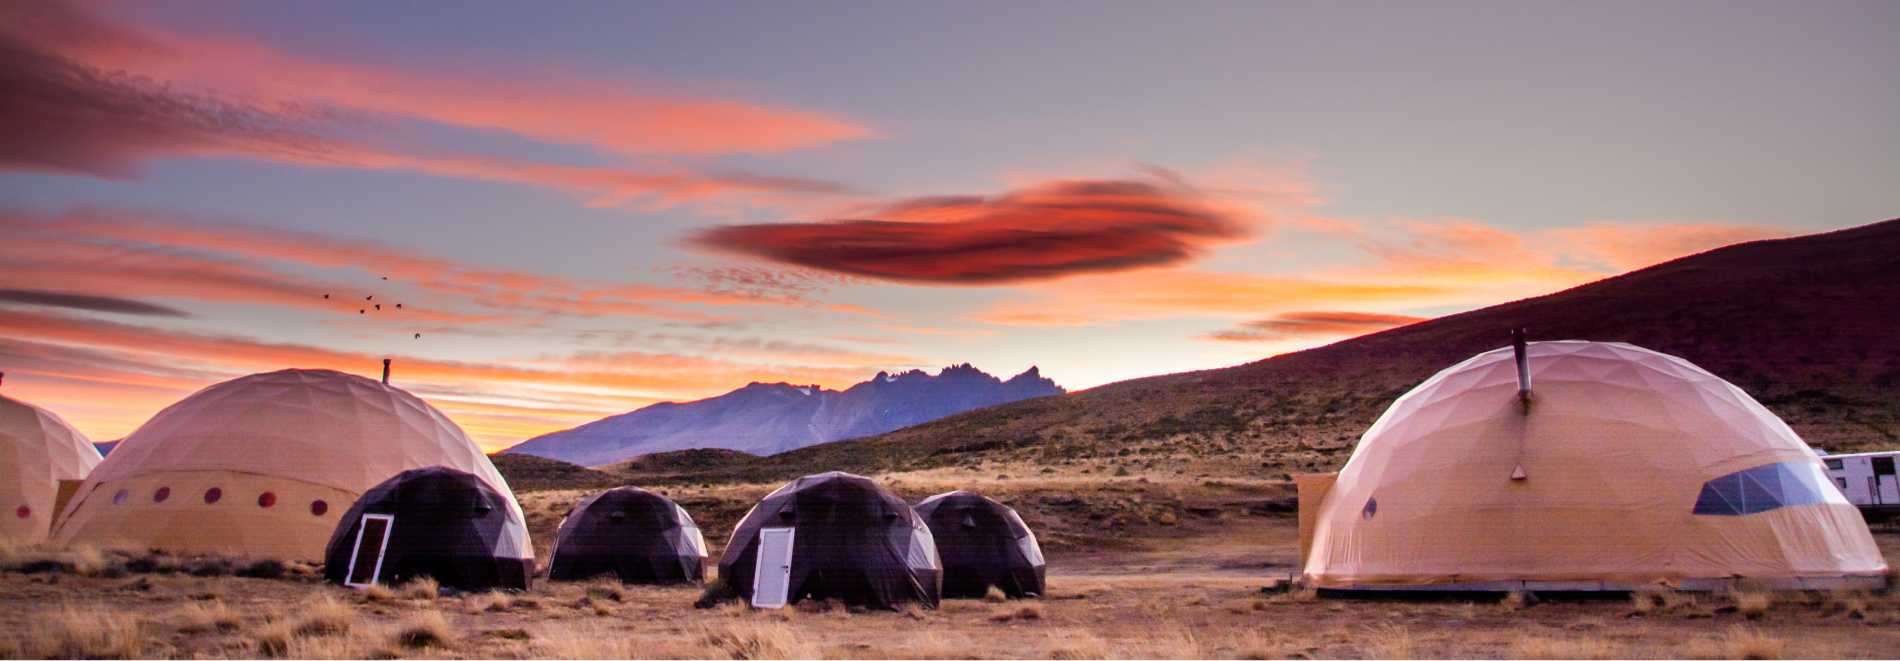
[399, 306]
[359, 312]
[326, 295]
[379, 306]
[418, 336]
[368, 297]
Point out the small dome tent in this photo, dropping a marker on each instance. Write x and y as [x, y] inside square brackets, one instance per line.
[437, 522]
[982, 543]
[634, 534]
[1623, 467]
[37, 451]
[833, 536]
[263, 465]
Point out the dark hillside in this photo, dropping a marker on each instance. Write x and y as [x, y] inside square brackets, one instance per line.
[1810, 326]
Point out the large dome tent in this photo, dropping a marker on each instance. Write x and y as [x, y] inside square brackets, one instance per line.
[436, 522]
[37, 450]
[636, 535]
[982, 544]
[263, 465]
[1619, 468]
[833, 536]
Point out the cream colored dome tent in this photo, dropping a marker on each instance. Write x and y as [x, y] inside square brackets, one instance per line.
[264, 465]
[37, 450]
[1637, 468]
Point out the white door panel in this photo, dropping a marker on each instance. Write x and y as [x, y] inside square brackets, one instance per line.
[772, 577]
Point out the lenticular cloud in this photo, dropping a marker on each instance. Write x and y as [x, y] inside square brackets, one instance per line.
[1048, 231]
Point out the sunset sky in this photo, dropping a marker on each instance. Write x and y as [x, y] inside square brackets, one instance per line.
[585, 208]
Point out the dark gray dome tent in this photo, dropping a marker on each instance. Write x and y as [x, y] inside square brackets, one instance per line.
[634, 534]
[833, 536]
[982, 543]
[437, 522]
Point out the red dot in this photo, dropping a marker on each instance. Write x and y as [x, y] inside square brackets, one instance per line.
[163, 493]
[213, 494]
[318, 507]
[24, 511]
[266, 499]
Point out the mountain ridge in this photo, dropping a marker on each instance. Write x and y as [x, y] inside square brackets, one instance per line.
[769, 418]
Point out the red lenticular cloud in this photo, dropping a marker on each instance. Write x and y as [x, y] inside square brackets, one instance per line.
[1308, 325]
[1052, 230]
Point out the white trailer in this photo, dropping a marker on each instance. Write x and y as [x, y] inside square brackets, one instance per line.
[1868, 481]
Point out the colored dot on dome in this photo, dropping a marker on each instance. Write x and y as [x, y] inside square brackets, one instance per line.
[213, 494]
[318, 507]
[266, 499]
[24, 511]
[162, 494]
[119, 498]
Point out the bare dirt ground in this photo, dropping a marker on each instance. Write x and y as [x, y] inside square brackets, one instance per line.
[1142, 570]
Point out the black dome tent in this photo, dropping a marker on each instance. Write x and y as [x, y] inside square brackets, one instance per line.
[437, 522]
[832, 536]
[635, 534]
[982, 543]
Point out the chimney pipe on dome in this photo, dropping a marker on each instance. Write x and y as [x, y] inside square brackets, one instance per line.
[385, 371]
[1523, 368]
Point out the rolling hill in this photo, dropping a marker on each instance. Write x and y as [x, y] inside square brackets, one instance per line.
[1810, 326]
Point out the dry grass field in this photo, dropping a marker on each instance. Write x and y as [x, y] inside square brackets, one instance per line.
[1138, 569]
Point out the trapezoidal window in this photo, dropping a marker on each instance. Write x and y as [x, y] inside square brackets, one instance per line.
[366, 560]
[1762, 488]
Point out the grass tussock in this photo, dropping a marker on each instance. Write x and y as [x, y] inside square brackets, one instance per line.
[202, 617]
[958, 605]
[1738, 643]
[1547, 647]
[756, 639]
[423, 630]
[85, 633]
[995, 595]
[1005, 612]
[423, 588]
[325, 616]
[587, 643]
[1390, 641]
[1753, 604]
[376, 594]
[1070, 644]
[606, 588]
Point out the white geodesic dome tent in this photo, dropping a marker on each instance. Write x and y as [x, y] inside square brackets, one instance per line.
[37, 450]
[1637, 468]
[264, 465]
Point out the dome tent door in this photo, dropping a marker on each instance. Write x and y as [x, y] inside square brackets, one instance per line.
[773, 579]
[366, 561]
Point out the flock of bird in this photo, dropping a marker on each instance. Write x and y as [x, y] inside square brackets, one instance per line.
[377, 306]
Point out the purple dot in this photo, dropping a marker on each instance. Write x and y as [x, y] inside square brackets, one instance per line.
[266, 499]
[119, 498]
[318, 507]
[162, 494]
[24, 511]
[213, 494]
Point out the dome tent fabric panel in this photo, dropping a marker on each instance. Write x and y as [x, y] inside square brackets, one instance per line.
[1617, 449]
[855, 542]
[306, 441]
[636, 535]
[37, 450]
[982, 543]
[442, 523]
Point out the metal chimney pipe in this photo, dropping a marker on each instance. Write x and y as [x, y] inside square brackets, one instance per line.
[1523, 360]
[386, 371]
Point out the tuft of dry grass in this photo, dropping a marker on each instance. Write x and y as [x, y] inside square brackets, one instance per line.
[1739, 643]
[995, 595]
[201, 617]
[1545, 647]
[1005, 613]
[1067, 644]
[958, 605]
[1753, 604]
[425, 629]
[606, 587]
[755, 639]
[1513, 601]
[85, 633]
[325, 615]
[586, 642]
[423, 588]
[1390, 641]
[376, 593]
